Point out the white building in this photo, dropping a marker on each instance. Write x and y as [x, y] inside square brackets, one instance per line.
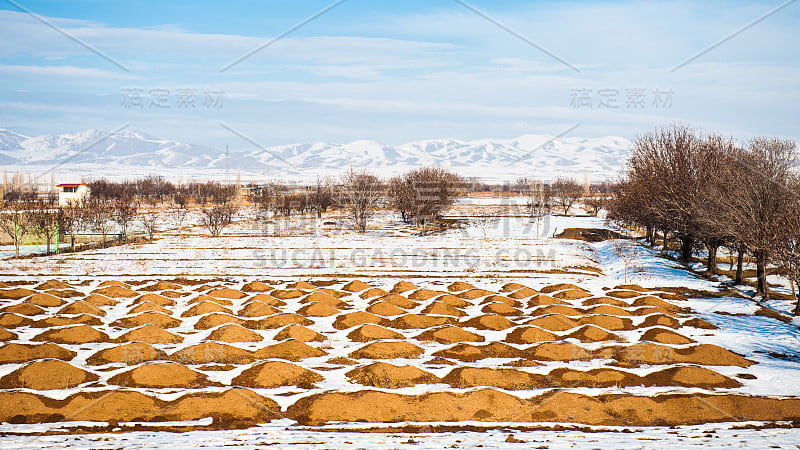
[72, 193]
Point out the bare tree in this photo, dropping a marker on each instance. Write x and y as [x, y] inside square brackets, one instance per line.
[423, 194]
[567, 191]
[322, 196]
[216, 218]
[43, 217]
[150, 224]
[362, 193]
[99, 213]
[15, 222]
[124, 211]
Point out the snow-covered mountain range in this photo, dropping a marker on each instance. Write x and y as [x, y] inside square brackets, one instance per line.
[126, 154]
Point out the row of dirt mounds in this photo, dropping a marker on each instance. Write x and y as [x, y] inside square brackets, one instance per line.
[127, 349]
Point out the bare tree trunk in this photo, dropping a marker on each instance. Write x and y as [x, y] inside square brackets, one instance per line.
[711, 262]
[797, 301]
[665, 241]
[686, 249]
[739, 267]
[761, 274]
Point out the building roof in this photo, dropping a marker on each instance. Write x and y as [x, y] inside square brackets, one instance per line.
[71, 184]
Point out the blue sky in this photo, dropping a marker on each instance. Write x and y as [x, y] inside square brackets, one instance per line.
[397, 71]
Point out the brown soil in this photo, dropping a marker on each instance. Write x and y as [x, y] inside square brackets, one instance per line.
[424, 294]
[149, 306]
[281, 320]
[373, 292]
[697, 322]
[205, 308]
[15, 293]
[256, 286]
[502, 309]
[115, 291]
[607, 309]
[595, 378]
[150, 334]
[553, 322]
[544, 300]
[60, 321]
[459, 286]
[443, 309]
[82, 307]
[6, 335]
[130, 354]
[449, 334]
[216, 319]
[342, 361]
[234, 333]
[324, 298]
[291, 350]
[397, 300]
[161, 286]
[452, 300]
[471, 353]
[655, 301]
[623, 293]
[610, 323]
[212, 352]
[226, 293]
[99, 300]
[512, 379]
[530, 335]
[419, 321]
[356, 286]
[588, 234]
[489, 322]
[299, 333]
[286, 294]
[563, 310]
[387, 350]
[653, 354]
[604, 301]
[77, 334]
[23, 309]
[389, 376]
[65, 293]
[690, 376]
[46, 375]
[472, 294]
[665, 336]
[501, 299]
[300, 285]
[660, 320]
[402, 286]
[272, 374]
[511, 287]
[317, 309]
[113, 283]
[46, 300]
[156, 318]
[158, 299]
[353, 319]
[161, 375]
[385, 309]
[257, 309]
[370, 332]
[10, 320]
[558, 351]
[591, 333]
[523, 293]
[571, 294]
[559, 287]
[20, 353]
[52, 284]
[267, 300]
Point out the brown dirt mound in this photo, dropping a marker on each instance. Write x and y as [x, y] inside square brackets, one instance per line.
[389, 376]
[150, 334]
[20, 353]
[46, 300]
[216, 319]
[607, 309]
[655, 301]
[46, 375]
[207, 298]
[604, 301]
[156, 318]
[373, 292]
[452, 300]
[595, 378]
[300, 285]
[205, 308]
[647, 310]
[459, 286]
[588, 234]
[397, 300]
[292, 350]
[632, 287]
[489, 322]
[558, 351]
[333, 292]
[501, 299]
[226, 293]
[665, 336]
[660, 320]
[82, 307]
[559, 287]
[15, 293]
[60, 321]
[544, 300]
[113, 283]
[443, 309]
[511, 287]
[130, 354]
[10, 320]
[257, 309]
[161, 286]
[511, 379]
[424, 294]
[472, 294]
[654, 354]
[286, 294]
[272, 374]
[212, 352]
[553, 322]
[353, 319]
[299, 333]
[77, 334]
[690, 376]
[356, 286]
[342, 361]
[402, 286]
[385, 309]
[6, 335]
[563, 310]
[387, 350]
[523, 293]
[418, 321]
[623, 293]
[696, 322]
[3, 285]
[317, 309]
[610, 323]
[370, 332]
[234, 333]
[99, 300]
[159, 300]
[115, 291]
[148, 306]
[503, 309]
[449, 334]
[52, 284]
[281, 320]
[256, 286]
[522, 363]
[471, 353]
[161, 375]
[591, 333]
[530, 335]
[571, 294]
[324, 298]
[65, 293]
[23, 309]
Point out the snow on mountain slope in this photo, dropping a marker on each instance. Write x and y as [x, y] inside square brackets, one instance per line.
[130, 153]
